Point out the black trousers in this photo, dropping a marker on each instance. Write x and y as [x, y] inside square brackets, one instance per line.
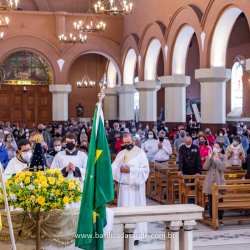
[220, 212]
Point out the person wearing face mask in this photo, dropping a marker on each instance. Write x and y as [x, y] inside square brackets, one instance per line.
[133, 130]
[4, 156]
[119, 144]
[57, 137]
[16, 135]
[123, 125]
[71, 162]
[215, 164]
[162, 150]
[131, 169]
[132, 124]
[209, 137]
[84, 147]
[63, 141]
[178, 133]
[237, 125]
[1, 133]
[244, 140]
[146, 129]
[21, 162]
[49, 158]
[189, 159]
[204, 148]
[223, 139]
[173, 133]
[235, 153]
[245, 131]
[26, 134]
[113, 137]
[10, 146]
[83, 135]
[57, 147]
[148, 145]
[44, 134]
[178, 142]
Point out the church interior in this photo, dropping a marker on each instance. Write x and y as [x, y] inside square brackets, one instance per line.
[166, 83]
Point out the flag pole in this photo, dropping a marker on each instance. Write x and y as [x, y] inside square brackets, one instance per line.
[7, 210]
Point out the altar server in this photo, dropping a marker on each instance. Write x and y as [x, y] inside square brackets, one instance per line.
[71, 162]
[131, 170]
[21, 161]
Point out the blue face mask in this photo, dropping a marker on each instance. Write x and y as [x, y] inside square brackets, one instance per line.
[150, 136]
[216, 150]
[182, 135]
[239, 132]
[207, 132]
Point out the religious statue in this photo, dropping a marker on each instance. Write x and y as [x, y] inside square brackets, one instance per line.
[79, 110]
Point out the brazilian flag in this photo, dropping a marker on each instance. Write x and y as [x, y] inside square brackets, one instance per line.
[98, 188]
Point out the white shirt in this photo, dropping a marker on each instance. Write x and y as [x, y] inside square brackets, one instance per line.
[162, 154]
[14, 167]
[148, 145]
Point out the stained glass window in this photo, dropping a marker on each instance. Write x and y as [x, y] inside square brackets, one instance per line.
[237, 86]
[25, 67]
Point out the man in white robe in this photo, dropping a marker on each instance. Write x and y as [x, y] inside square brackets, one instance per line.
[131, 170]
[72, 163]
[21, 162]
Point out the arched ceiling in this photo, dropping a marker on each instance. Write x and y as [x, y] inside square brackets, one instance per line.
[71, 6]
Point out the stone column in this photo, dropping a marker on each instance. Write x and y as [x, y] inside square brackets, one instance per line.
[213, 94]
[148, 100]
[60, 101]
[175, 97]
[129, 240]
[188, 234]
[110, 104]
[172, 235]
[126, 101]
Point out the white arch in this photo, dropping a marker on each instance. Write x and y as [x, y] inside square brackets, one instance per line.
[221, 36]
[111, 75]
[180, 50]
[129, 67]
[151, 60]
[110, 58]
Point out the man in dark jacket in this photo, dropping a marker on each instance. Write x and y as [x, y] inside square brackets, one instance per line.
[189, 161]
[246, 166]
[113, 137]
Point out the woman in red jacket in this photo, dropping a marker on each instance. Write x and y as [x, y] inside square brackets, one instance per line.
[209, 137]
[204, 148]
[173, 133]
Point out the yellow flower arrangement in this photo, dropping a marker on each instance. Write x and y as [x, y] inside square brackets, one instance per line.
[41, 191]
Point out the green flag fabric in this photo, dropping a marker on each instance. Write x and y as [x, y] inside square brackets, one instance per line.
[98, 188]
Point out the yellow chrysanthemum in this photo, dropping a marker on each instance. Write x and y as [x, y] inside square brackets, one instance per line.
[41, 200]
[65, 200]
[57, 171]
[16, 181]
[27, 180]
[42, 178]
[71, 185]
[36, 181]
[51, 180]
[40, 173]
[21, 176]
[32, 197]
[44, 184]
[28, 173]
[79, 189]
[78, 198]
[60, 177]
[57, 192]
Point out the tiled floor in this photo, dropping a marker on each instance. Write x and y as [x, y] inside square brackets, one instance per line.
[230, 237]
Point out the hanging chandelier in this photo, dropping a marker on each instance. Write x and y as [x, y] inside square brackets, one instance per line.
[12, 5]
[109, 7]
[72, 39]
[85, 82]
[90, 23]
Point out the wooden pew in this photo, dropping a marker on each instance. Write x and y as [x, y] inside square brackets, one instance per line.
[237, 197]
[150, 183]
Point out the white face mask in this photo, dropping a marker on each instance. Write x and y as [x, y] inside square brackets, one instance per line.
[26, 130]
[6, 132]
[188, 146]
[9, 139]
[90, 127]
[220, 134]
[27, 156]
[83, 131]
[1, 130]
[58, 148]
[60, 128]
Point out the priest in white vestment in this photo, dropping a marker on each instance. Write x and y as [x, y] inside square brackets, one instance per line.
[21, 162]
[131, 170]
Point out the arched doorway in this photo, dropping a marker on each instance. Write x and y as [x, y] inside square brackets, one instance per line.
[25, 97]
